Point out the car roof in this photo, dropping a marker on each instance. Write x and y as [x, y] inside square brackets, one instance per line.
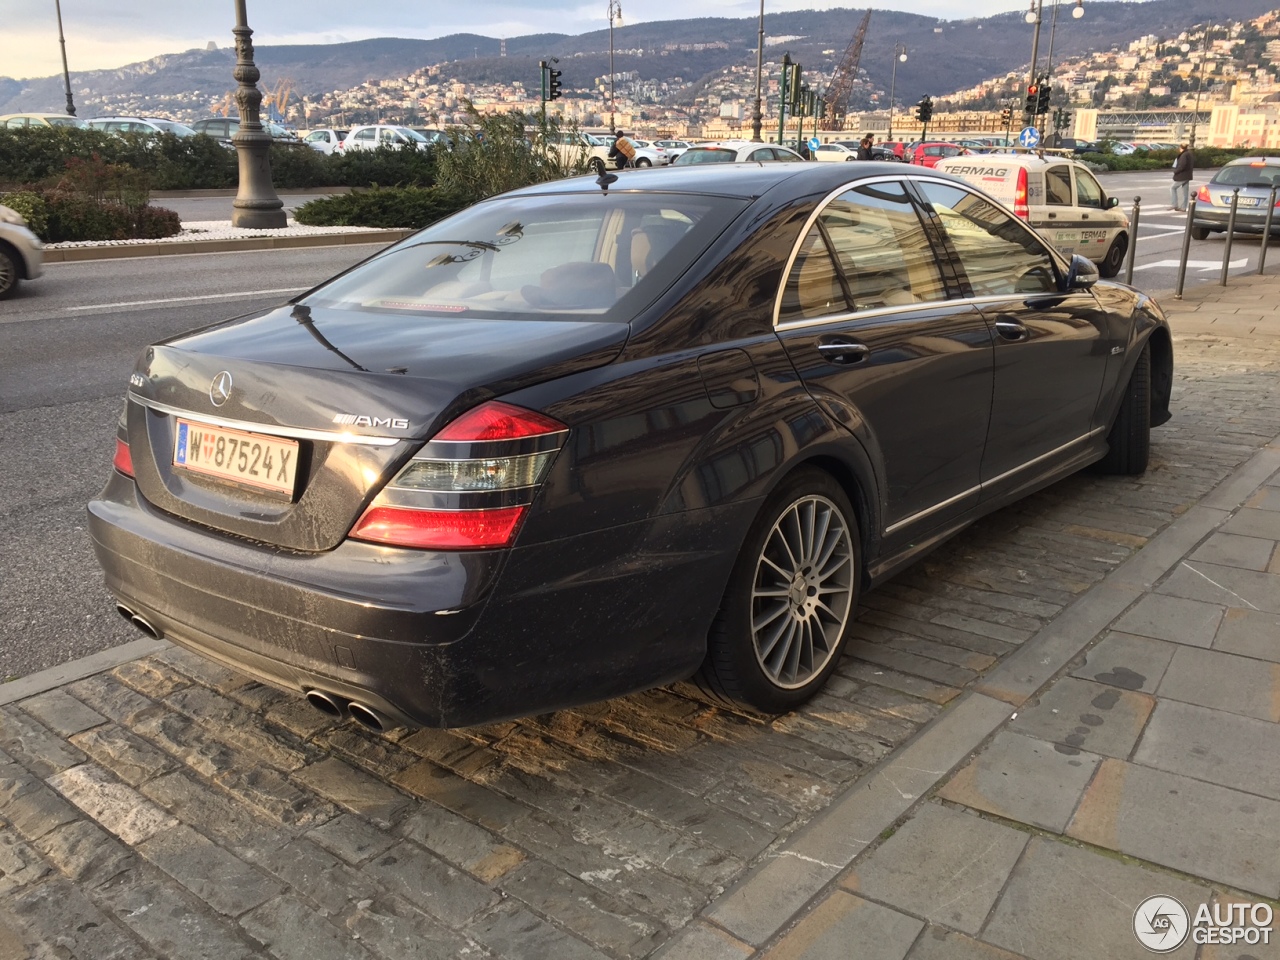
[744, 179]
[1029, 160]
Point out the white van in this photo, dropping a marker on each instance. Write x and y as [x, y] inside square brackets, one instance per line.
[1057, 195]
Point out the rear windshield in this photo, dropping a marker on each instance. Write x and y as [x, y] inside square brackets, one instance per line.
[708, 155]
[604, 256]
[1249, 174]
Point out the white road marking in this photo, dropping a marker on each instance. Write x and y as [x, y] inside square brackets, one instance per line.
[1193, 264]
[209, 296]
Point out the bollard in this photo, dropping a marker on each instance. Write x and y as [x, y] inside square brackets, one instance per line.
[1231, 234]
[1133, 239]
[1186, 248]
[1266, 230]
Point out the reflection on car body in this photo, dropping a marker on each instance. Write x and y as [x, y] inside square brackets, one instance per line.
[616, 439]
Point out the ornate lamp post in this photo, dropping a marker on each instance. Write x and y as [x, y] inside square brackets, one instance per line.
[757, 116]
[66, 74]
[256, 205]
[1204, 56]
[899, 56]
[615, 13]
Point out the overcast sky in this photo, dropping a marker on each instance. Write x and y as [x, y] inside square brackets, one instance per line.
[102, 34]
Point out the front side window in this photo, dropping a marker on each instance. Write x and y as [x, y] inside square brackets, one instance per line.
[536, 257]
[1000, 256]
[881, 247]
[1088, 190]
[764, 153]
[1057, 186]
[365, 134]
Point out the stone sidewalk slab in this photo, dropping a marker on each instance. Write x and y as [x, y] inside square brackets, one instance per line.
[1200, 828]
[1087, 716]
[943, 864]
[1224, 681]
[1192, 622]
[1065, 903]
[842, 921]
[1126, 661]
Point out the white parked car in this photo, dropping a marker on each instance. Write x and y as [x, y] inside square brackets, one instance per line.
[149, 125]
[575, 147]
[21, 252]
[373, 136]
[17, 121]
[326, 139]
[738, 151]
[649, 154]
[673, 147]
[836, 150]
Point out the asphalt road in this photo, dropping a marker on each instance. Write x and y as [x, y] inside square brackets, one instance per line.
[219, 208]
[70, 340]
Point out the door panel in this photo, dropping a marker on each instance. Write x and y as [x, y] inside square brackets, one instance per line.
[1051, 347]
[864, 317]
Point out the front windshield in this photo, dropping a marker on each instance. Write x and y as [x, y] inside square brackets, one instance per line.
[411, 134]
[596, 141]
[710, 155]
[179, 129]
[602, 256]
[66, 122]
[1249, 174]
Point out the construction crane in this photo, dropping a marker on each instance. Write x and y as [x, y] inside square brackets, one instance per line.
[842, 81]
[224, 106]
[276, 101]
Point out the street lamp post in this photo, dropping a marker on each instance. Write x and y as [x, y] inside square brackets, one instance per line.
[1035, 16]
[899, 56]
[66, 74]
[256, 205]
[615, 13]
[1204, 56]
[757, 115]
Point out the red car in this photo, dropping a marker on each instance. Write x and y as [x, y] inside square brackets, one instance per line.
[928, 154]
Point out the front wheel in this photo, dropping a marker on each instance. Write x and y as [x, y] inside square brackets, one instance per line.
[1129, 441]
[596, 165]
[644, 162]
[8, 272]
[1199, 233]
[1111, 263]
[785, 614]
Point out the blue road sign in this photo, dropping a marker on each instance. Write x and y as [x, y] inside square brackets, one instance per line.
[1029, 137]
[814, 143]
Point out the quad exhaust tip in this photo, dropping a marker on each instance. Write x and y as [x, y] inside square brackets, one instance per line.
[367, 717]
[141, 622]
[364, 715]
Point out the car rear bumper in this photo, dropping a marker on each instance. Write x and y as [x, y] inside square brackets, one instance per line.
[427, 638]
[1248, 220]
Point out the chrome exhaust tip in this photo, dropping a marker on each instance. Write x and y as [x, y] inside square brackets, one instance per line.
[325, 703]
[368, 717]
[141, 622]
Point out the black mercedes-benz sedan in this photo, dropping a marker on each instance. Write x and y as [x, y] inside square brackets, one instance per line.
[604, 434]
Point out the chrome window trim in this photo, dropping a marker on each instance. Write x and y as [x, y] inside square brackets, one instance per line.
[916, 517]
[268, 429]
[808, 225]
[847, 316]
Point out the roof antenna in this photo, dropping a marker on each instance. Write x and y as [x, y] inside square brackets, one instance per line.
[605, 179]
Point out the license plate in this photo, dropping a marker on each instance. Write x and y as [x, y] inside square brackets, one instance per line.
[1249, 201]
[247, 458]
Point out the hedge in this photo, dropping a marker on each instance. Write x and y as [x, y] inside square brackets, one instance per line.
[406, 207]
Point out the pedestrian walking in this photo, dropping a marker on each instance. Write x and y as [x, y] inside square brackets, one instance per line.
[864, 148]
[1183, 167]
[623, 151]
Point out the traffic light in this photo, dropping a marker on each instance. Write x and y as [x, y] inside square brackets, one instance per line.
[553, 84]
[793, 87]
[924, 110]
[1006, 116]
[1033, 100]
[1042, 98]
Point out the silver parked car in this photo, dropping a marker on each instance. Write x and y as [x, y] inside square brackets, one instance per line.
[21, 252]
[1255, 177]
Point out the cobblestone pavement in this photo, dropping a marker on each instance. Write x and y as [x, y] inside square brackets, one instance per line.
[170, 808]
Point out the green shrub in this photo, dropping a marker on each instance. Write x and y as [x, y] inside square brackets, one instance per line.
[402, 165]
[31, 206]
[300, 167]
[153, 223]
[80, 218]
[406, 207]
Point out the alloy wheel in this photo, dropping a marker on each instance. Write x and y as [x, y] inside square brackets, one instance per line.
[803, 591]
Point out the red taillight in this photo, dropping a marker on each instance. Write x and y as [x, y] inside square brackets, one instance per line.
[123, 460]
[1202, 195]
[496, 420]
[440, 529]
[1020, 208]
[470, 486]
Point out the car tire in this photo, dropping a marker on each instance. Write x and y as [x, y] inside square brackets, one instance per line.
[644, 162]
[596, 165]
[1114, 260]
[8, 272]
[1199, 233]
[786, 574]
[1129, 442]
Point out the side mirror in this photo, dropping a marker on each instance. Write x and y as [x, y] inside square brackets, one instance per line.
[1083, 273]
[1113, 202]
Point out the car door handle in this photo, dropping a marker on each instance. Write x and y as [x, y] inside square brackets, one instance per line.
[843, 351]
[1053, 216]
[1012, 330]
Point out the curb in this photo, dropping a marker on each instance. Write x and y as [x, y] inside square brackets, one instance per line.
[751, 914]
[73, 670]
[76, 254]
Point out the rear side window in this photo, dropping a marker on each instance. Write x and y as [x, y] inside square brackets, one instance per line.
[999, 255]
[1057, 186]
[538, 257]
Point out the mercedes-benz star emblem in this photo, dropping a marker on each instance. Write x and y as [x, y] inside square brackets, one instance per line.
[220, 389]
